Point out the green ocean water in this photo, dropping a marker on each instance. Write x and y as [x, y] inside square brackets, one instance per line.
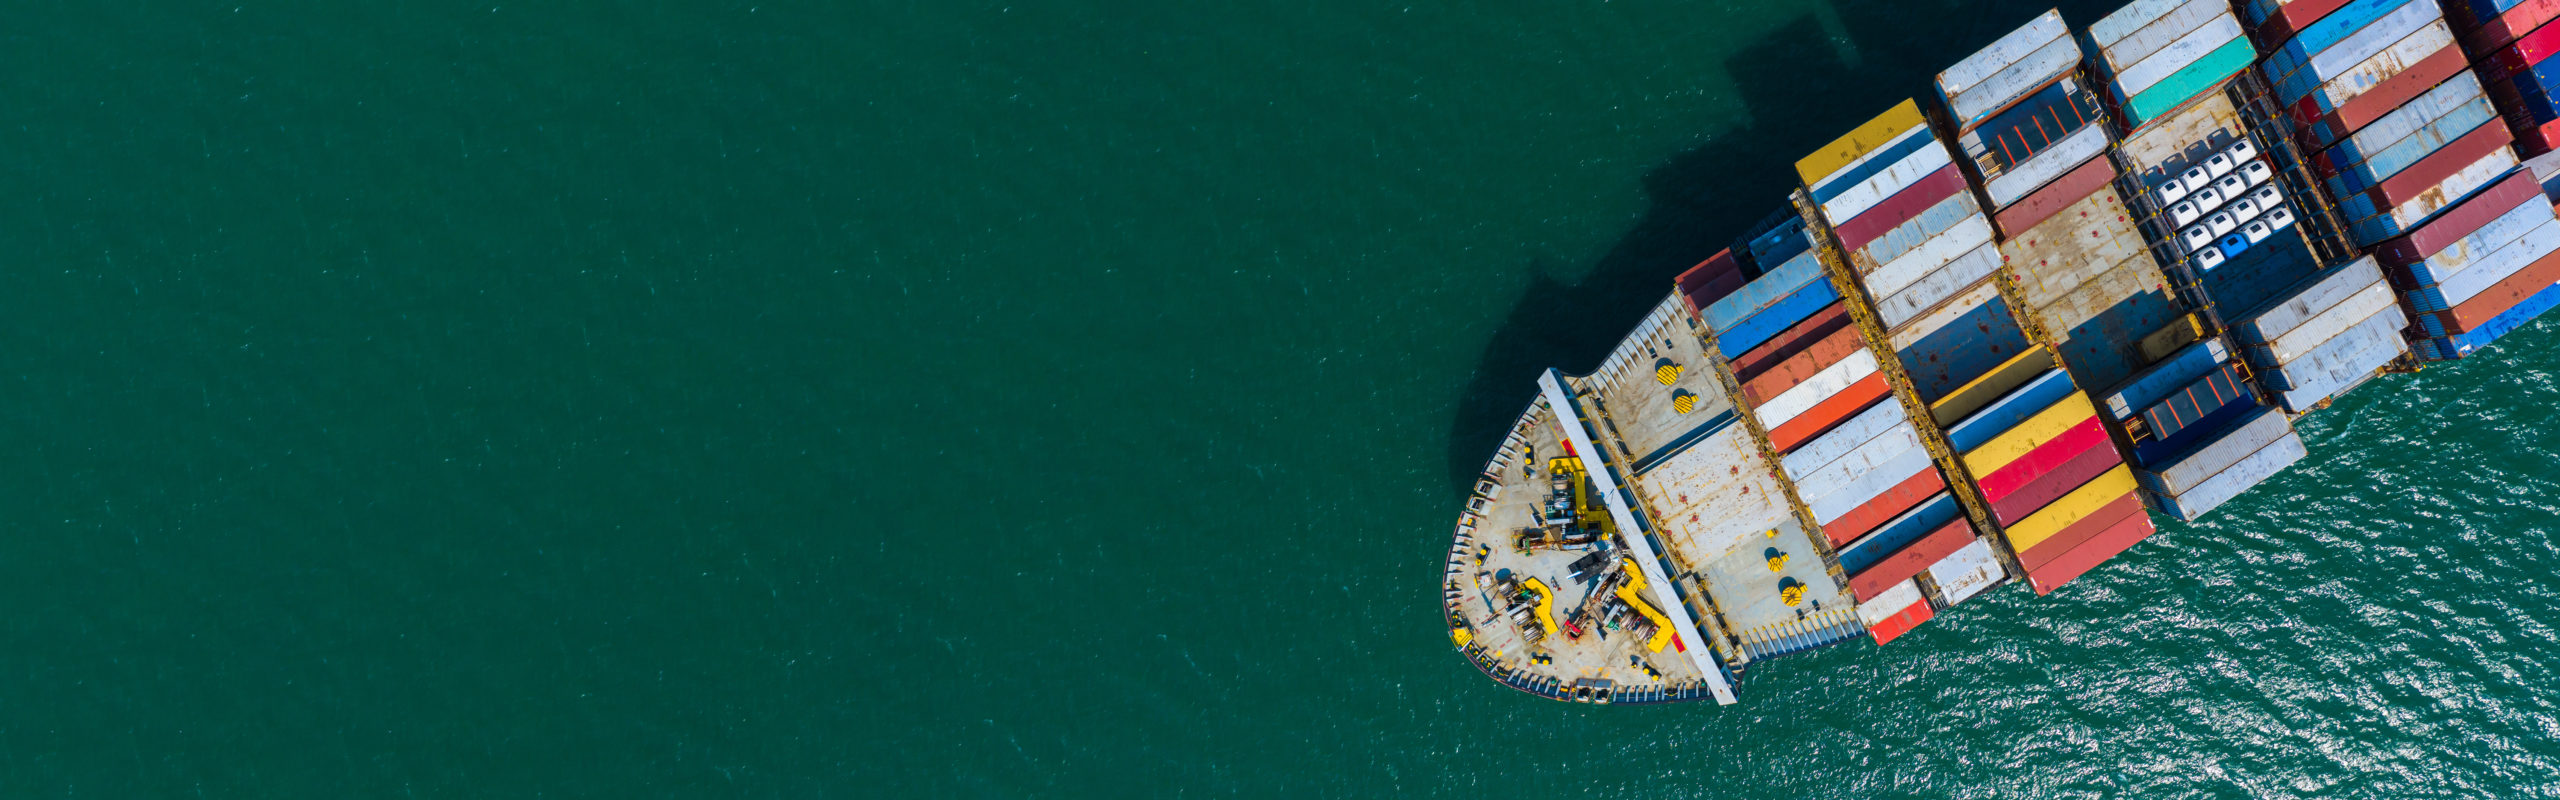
[804, 400]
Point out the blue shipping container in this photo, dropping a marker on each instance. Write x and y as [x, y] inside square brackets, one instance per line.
[1892, 536]
[2012, 408]
[2179, 369]
[1776, 318]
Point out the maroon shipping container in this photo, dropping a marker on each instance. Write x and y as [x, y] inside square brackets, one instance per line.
[2509, 26]
[1709, 281]
[1902, 207]
[2289, 18]
[2538, 139]
[2520, 55]
[2542, 274]
[1793, 371]
[2072, 187]
[2424, 176]
[1912, 559]
[2389, 96]
[1891, 503]
[1793, 340]
[2131, 531]
[2081, 469]
[2459, 221]
[2097, 522]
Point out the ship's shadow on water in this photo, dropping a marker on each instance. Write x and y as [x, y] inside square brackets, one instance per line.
[1803, 87]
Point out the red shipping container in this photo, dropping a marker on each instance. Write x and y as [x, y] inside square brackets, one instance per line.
[2538, 139]
[1895, 626]
[1791, 341]
[2072, 187]
[2099, 521]
[2511, 26]
[2061, 480]
[1825, 415]
[2044, 457]
[2542, 43]
[1804, 365]
[2091, 553]
[1702, 285]
[2382, 99]
[1858, 522]
[2426, 175]
[1912, 559]
[1902, 207]
[2459, 221]
[2542, 274]
[2289, 18]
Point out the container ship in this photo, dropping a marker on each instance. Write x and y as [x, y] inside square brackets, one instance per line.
[2093, 280]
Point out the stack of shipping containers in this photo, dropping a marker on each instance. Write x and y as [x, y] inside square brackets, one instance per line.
[1921, 248]
[2157, 54]
[2512, 40]
[2400, 151]
[2481, 269]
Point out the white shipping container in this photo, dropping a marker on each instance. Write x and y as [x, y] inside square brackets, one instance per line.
[1966, 572]
[1964, 238]
[1946, 214]
[1815, 389]
[2508, 260]
[2125, 21]
[2186, 50]
[2038, 69]
[2304, 300]
[1929, 291]
[2074, 150]
[1829, 447]
[1857, 199]
[2164, 31]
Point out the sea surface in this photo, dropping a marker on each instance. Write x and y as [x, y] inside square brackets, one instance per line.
[782, 399]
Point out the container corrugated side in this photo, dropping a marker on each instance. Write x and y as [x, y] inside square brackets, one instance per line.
[2312, 101]
[2478, 311]
[1795, 339]
[2014, 64]
[1778, 317]
[2164, 31]
[1853, 199]
[1846, 524]
[1829, 447]
[2067, 469]
[1830, 412]
[2464, 344]
[2328, 368]
[2090, 526]
[2274, 21]
[2489, 35]
[2326, 126]
[2022, 439]
[2154, 68]
[2346, 31]
[2303, 300]
[1838, 499]
[1913, 558]
[2521, 54]
[2185, 84]
[1833, 349]
[2042, 460]
[2097, 550]
[1828, 381]
[2459, 221]
[2320, 328]
[1873, 456]
[2028, 366]
[2156, 450]
[2195, 403]
[2483, 273]
[1966, 572]
[2499, 232]
[1963, 235]
[1956, 354]
[2205, 458]
[2451, 189]
[2079, 184]
[1758, 295]
[2294, 77]
[2072, 507]
[2427, 186]
[1889, 627]
[2089, 142]
[2179, 369]
[1898, 212]
[1939, 285]
[2250, 471]
[1702, 285]
[1903, 119]
[1899, 533]
[2047, 387]
[2130, 19]
[2448, 110]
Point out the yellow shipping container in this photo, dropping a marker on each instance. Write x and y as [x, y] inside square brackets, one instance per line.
[2081, 502]
[1862, 140]
[1999, 381]
[2071, 410]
